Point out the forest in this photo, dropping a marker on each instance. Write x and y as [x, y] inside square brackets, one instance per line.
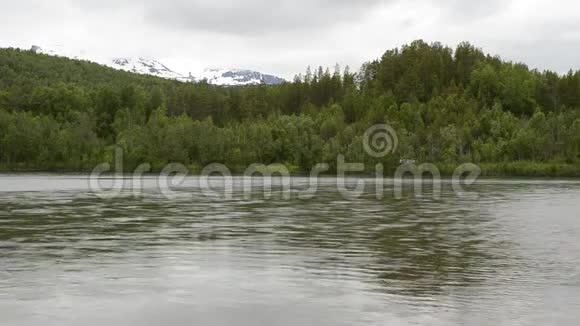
[448, 106]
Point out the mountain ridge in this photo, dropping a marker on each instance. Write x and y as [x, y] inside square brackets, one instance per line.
[153, 67]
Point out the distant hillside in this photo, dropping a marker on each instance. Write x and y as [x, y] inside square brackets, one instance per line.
[153, 67]
[447, 106]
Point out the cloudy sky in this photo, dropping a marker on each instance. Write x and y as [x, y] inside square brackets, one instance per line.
[284, 36]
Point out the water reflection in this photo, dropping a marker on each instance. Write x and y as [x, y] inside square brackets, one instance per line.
[362, 260]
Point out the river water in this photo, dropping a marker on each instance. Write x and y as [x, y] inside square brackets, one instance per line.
[507, 253]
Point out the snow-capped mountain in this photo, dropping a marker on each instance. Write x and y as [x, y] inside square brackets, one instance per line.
[237, 77]
[144, 66]
[147, 66]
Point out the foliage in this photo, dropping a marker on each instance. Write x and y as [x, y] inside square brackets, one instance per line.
[447, 106]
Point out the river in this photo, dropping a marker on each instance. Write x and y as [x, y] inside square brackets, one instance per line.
[506, 254]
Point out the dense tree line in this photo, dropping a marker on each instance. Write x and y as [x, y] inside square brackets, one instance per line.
[447, 106]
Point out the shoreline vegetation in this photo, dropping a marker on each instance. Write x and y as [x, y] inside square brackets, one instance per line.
[447, 106]
[488, 170]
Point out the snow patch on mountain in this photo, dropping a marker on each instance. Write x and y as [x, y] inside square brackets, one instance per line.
[216, 76]
[144, 66]
[147, 66]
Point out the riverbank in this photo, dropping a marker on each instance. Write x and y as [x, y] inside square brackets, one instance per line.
[503, 169]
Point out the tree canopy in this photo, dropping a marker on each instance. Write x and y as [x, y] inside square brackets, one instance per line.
[447, 106]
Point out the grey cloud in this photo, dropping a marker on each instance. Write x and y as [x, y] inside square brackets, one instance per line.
[257, 17]
[244, 17]
[461, 10]
[543, 54]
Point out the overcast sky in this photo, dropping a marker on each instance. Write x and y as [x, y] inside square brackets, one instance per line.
[284, 36]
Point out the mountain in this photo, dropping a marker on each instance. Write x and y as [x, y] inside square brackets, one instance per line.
[148, 66]
[238, 77]
[145, 67]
